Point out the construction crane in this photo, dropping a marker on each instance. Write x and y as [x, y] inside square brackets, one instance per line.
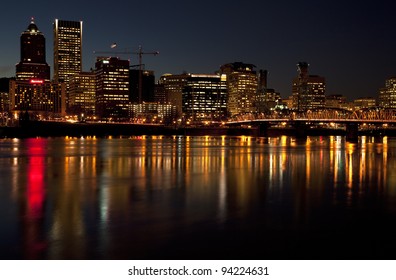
[140, 54]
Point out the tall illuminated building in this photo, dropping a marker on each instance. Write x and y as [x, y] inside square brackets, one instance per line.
[67, 49]
[32, 91]
[112, 87]
[204, 98]
[173, 89]
[82, 93]
[33, 63]
[308, 90]
[387, 95]
[242, 85]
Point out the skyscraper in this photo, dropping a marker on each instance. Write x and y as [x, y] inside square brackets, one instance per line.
[67, 49]
[205, 97]
[32, 90]
[173, 87]
[112, 87]
[33, 63]
[308, 90]
[242, 85]
[82, 94]
[387, 95]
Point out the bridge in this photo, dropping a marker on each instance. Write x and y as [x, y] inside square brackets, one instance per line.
[351, 121]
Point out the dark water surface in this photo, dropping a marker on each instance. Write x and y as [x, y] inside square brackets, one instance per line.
[198, 198]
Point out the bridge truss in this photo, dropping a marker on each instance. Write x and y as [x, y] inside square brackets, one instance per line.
[368, 114]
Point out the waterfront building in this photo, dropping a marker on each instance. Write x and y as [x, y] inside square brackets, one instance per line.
[38, 97]
[32, 91]
[173, 89]
[159, 93]
[67, 49]
[152, 112]
[147, 82]
[4, 107]
[4, 95]
[204, 98]
[263, 93]
[308, 90]
[4, 101]
[364, 103]
[288, 102]
[336, 101]
[242, 87]
[387, 95]
[82, 94]
[112, 87]
[267, 100]
[32, 63]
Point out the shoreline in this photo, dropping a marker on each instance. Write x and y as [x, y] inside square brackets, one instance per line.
[34, 129]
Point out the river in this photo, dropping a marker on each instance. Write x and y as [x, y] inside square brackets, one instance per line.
[178, 197]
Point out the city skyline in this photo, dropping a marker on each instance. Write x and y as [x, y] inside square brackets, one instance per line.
[346, 44]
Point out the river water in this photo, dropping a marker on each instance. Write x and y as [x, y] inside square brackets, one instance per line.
[183, 197]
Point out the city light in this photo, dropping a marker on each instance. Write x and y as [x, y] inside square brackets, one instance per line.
[35, 81]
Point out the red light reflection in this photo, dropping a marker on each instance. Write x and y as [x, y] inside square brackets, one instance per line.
[35, 183]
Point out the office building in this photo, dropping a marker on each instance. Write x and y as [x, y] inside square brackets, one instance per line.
[32, 63]
[112, 87]
[32, 91]
[364, 103]
[38, 97]
[4, 101]
[336, 101]
[67, 49]
[147, 83]
[173, 89]
[4, 95]
[204, 98]
[308, 90]
[152, 112]
[82, 94]
[159, 93]
[242, 87]
[387, 95]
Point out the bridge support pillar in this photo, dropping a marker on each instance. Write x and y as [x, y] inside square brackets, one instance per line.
[352, 132]
[263, 129]
[300, 129]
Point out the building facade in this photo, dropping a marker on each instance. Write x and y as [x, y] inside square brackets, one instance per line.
[32, 91]
[82, 94]
[204, 98]
[159, 93]
[364, 103]
[336, 101]
[173, 89]
[67, 49]
[112, 87]
[32, 63]
[152, 112]
[4, 95]
[147, 82]
[242, 87]
[387, 95]
[38, 97]
[308, 90]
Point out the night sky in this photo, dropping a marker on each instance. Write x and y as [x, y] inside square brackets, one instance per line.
[351, 43]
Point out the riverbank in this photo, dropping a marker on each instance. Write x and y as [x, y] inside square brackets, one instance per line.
[62, 129]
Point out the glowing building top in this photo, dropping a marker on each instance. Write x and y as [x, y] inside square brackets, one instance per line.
[33, 63]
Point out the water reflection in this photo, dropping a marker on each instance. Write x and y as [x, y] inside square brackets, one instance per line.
[35, 198]
[131, 198]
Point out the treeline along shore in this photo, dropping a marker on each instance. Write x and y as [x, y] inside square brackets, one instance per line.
[62, 129]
